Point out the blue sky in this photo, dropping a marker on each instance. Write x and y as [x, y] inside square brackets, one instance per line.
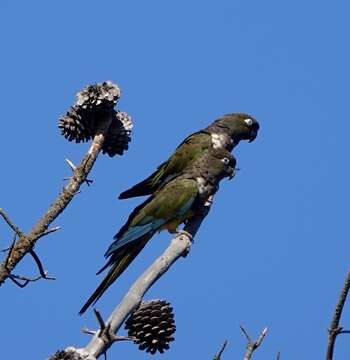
[275, 249]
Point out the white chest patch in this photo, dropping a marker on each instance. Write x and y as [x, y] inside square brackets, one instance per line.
[201, 185]
[220, 140]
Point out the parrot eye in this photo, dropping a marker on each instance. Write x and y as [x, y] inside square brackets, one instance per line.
[226, 161]
[248, 121]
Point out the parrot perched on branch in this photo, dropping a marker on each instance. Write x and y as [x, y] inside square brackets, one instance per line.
[170, 206]
[226, 132]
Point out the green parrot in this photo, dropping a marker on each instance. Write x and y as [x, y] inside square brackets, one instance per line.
[166, 209]
[226, 132]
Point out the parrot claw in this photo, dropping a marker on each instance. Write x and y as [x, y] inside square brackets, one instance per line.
[186, 233]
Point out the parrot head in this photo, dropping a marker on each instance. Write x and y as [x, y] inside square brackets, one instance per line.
[239, 126]
[221, 164]
[214, 165]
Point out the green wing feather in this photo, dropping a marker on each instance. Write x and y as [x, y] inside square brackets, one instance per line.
[171, 202]
[187, 152]
[168, 202]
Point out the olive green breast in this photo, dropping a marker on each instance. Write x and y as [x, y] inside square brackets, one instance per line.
[172, 201]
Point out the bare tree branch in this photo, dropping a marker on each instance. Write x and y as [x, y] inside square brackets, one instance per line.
[218, 355]
[88, 331]
[26, 280]
[73, 168]
[334, 330]
[10, 223]
[48, 232]
[10, 249]
[42, 272]
[179, 247]
[100, 320]
[26, 242]
[252, 345]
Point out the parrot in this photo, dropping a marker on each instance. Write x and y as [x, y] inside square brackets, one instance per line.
[171, 205]
[225, 132]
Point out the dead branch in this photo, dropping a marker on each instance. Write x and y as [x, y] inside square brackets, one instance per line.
[218, 355]
[100, 320]
[105, 337]
[252, 345]
[334, 329]
[42, 272]
[10, 223]
[25, 243]
[10, 249]
[26, 280]
[48, 231]
[73, 168]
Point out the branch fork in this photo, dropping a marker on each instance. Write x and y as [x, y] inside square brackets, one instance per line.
[252, 345]
[26, 242]
[106, 335]
[16, 279]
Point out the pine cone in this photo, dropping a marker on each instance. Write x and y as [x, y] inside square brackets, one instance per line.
[118, 137]
[65, 355]
[99, 97]
[75, 126]
[81, 122]
[152, 325]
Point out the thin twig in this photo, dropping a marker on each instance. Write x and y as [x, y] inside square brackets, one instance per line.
[123, 338]
[334, 330]
[73, 168]
[218, 355]
[40, 266]
[100, 320]
[88, 331]
[15, 278]
[10, 223]
[48, 231]
[71, 165]
[26, 242]
[105, 329]
[252, 345]
[26, 279]
[246, 334]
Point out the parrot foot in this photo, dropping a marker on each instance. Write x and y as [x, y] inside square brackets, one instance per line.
[184, 232]
[190, 237]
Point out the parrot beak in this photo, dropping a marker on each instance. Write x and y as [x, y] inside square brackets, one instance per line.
[253, 134]
[231, 173]
[254, 131]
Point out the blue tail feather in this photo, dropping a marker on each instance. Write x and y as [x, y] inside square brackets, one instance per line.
[133, 234]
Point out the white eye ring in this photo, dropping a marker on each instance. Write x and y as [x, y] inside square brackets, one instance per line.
[226, 161]
[248, 121]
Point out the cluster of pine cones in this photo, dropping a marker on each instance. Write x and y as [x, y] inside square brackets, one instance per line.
[81, 121]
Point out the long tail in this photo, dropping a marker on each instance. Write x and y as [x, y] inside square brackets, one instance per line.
[119, 263]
